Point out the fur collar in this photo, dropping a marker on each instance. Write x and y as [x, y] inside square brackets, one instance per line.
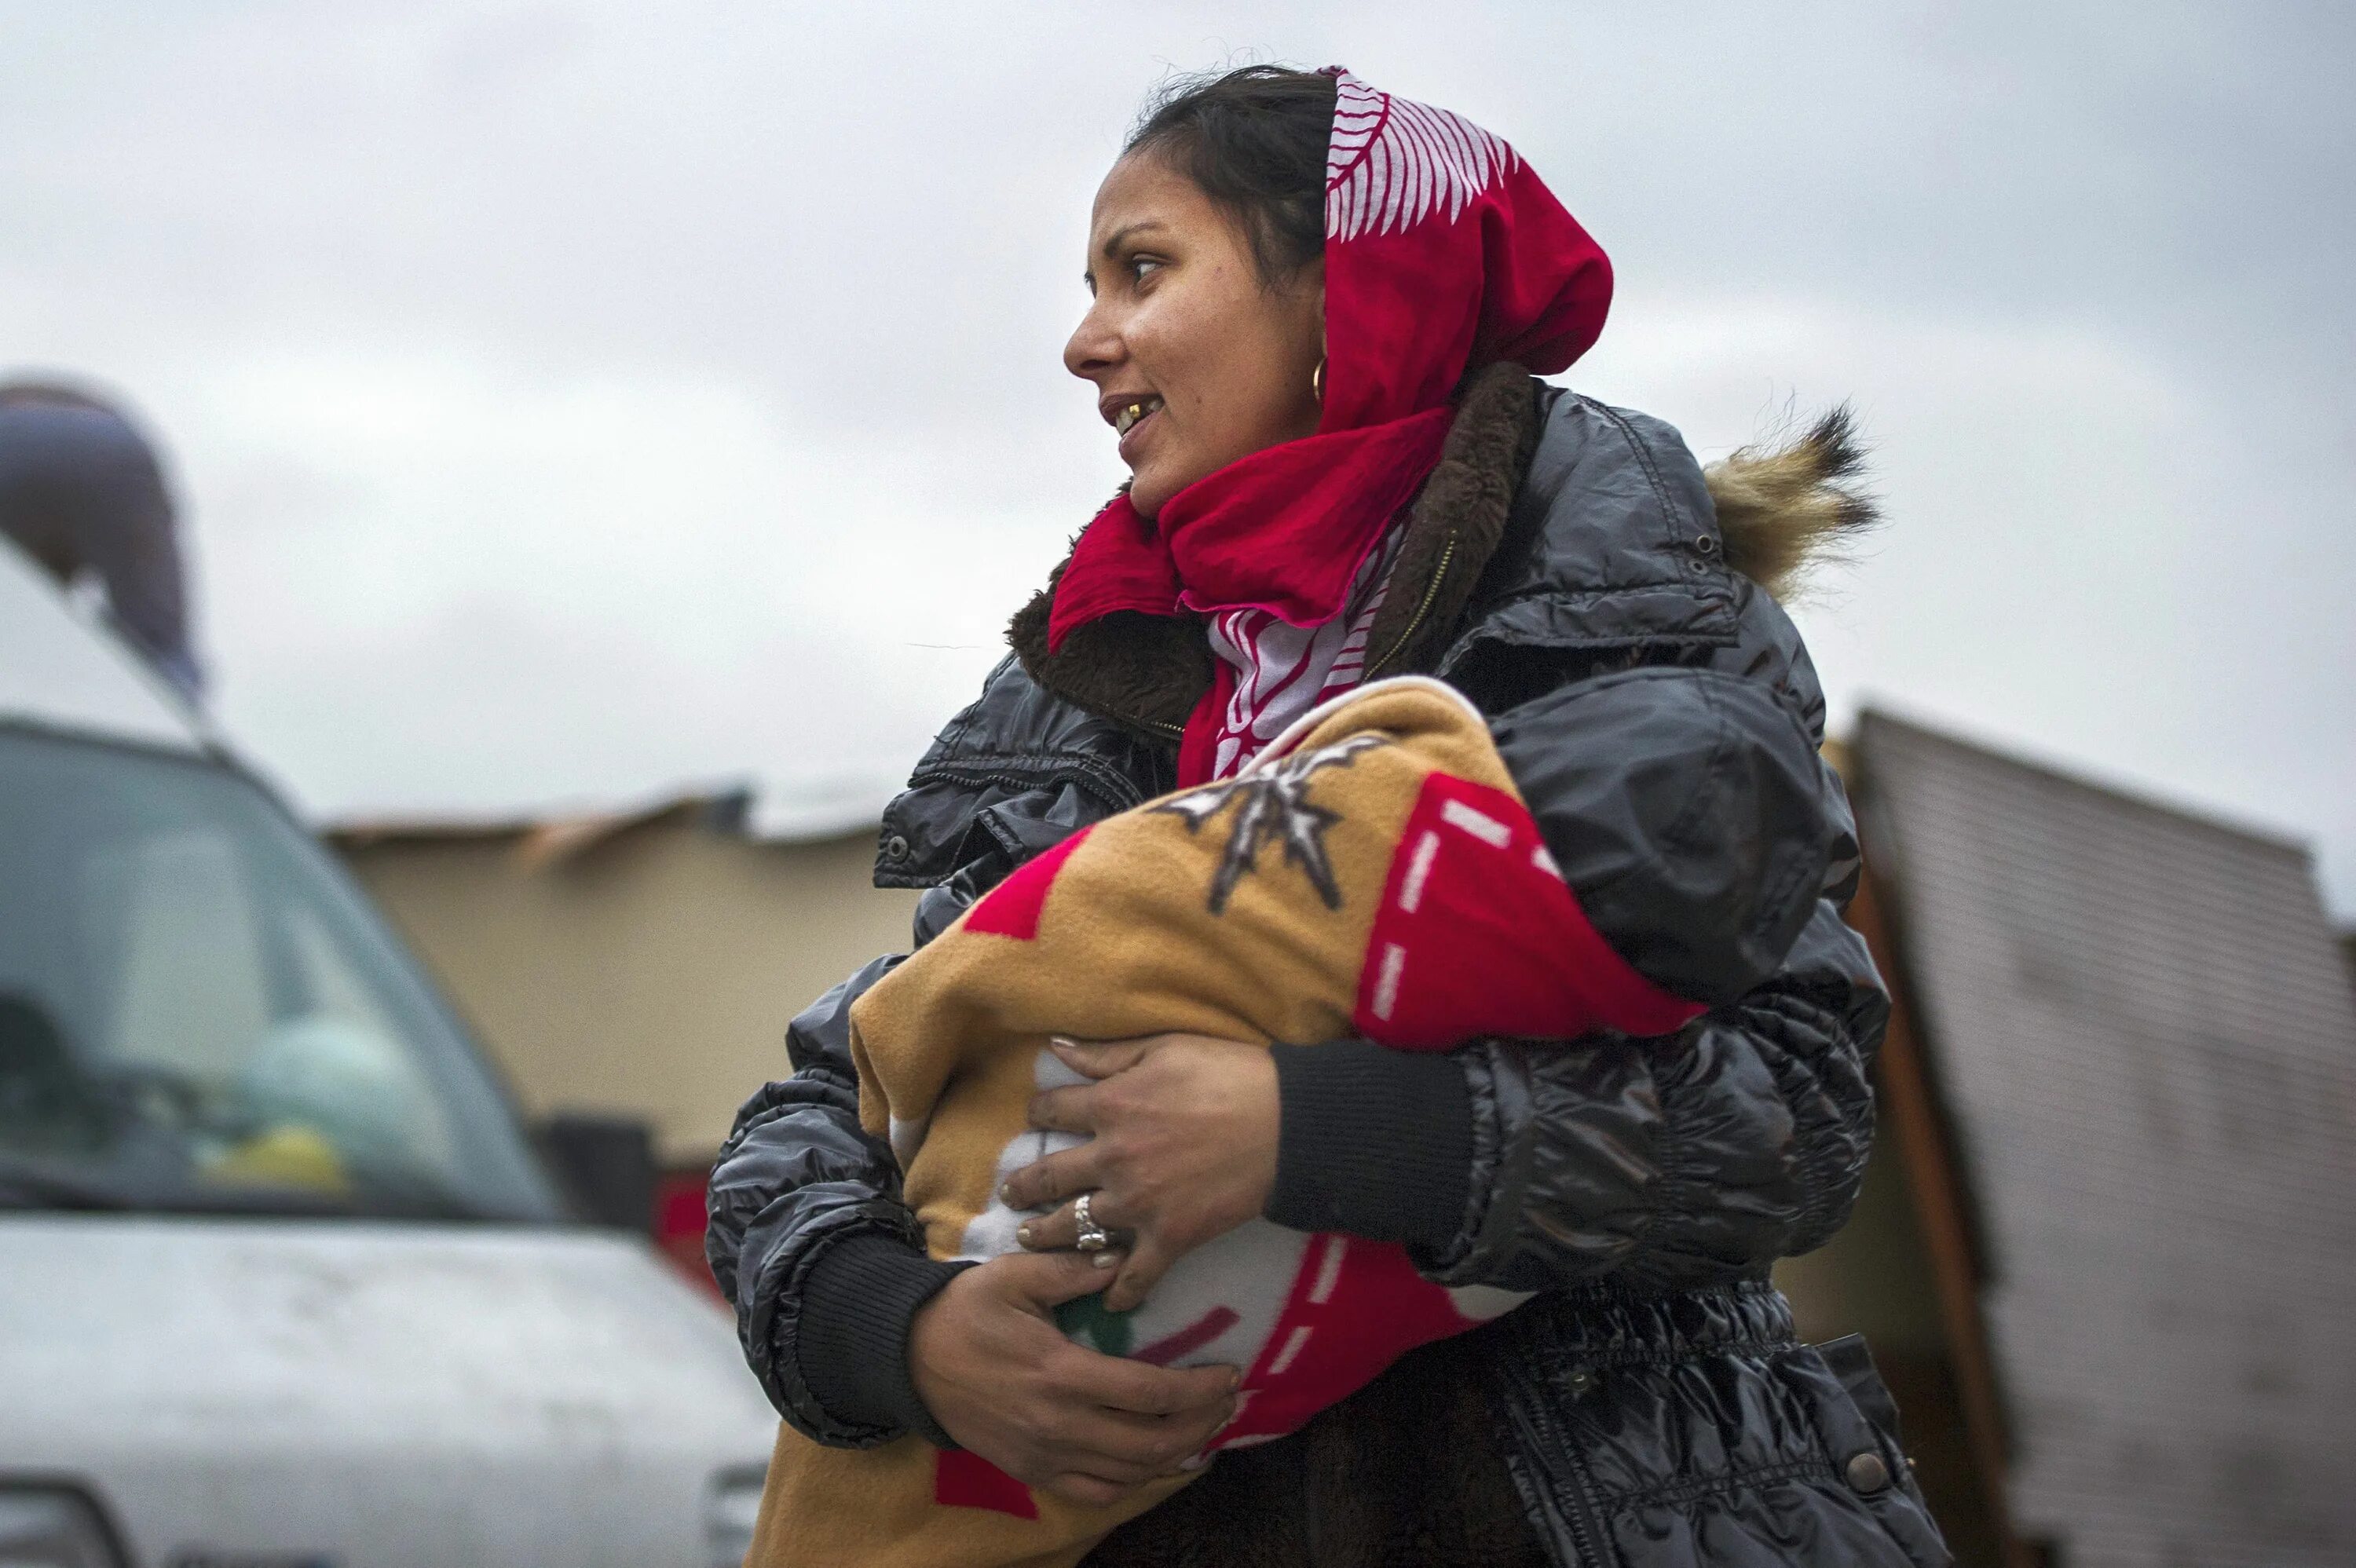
[1784, 511]
[1147, 672]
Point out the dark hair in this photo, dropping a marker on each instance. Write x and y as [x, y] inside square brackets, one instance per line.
[1254, 140]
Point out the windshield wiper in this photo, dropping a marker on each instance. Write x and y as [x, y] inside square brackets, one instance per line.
[36, 1184]
[29, 1183]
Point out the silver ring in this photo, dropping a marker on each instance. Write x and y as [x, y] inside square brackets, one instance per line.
[1093, 1237]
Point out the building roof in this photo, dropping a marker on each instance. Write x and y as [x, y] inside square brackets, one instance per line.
[543, 840]
[2144, 1038]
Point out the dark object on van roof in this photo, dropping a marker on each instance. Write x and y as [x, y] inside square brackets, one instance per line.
[82, 492]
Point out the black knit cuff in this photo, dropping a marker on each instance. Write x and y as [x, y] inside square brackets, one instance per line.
[1373, 1143]
[858, 1300]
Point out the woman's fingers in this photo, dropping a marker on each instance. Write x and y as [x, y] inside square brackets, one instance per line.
[1060, 1230]
[1055, 1232]
[1144, 1258]
[1089, 1491]
[1053, 1179]
[1040, 1285]
[1102, 1058]
[1129, 1389]
[995, 1371]
[1067, 1110]
[1121, 1447]
[1148, 1261]
[1143, 1390]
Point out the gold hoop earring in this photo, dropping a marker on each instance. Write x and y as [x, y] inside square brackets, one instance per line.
[1317, 381]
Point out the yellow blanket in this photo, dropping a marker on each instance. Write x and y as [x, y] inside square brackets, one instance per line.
[1374, 874]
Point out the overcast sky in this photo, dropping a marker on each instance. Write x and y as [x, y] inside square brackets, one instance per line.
[574, 401]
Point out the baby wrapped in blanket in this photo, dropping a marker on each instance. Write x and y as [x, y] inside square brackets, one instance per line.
[1373, 873]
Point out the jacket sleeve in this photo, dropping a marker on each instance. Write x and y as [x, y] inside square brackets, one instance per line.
[1674, 1163]
[1679, 1162]
[1710, 844]
[808, 1234]
[1686, 805]
[811, 1241]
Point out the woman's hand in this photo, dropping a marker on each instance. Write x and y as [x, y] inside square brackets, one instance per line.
[1182, 1149]
[989, 1363]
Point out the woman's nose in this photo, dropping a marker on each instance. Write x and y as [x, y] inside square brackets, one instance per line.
[1093, 347]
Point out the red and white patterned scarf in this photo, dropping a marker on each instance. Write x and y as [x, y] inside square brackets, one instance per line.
[1278, 671]
[1444, 252]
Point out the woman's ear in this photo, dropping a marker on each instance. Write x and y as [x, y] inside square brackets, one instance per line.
[1310, 286]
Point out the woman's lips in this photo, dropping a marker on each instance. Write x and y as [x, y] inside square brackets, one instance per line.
[1133, 437]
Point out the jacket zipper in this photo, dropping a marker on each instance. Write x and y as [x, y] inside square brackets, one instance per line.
[1430, 592]
[1587, 1536]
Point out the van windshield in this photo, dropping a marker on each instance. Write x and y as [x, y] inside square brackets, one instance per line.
[198, 1014]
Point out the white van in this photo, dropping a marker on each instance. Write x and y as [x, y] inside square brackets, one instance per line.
[282, 1285]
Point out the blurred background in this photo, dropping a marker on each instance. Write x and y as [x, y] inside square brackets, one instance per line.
[599, 398]
[608, 440]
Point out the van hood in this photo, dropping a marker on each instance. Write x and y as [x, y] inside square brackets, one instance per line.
[373, 1394]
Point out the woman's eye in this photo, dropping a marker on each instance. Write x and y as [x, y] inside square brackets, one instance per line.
[1140, 266]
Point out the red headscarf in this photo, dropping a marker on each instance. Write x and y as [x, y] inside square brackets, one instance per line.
[1443, 252]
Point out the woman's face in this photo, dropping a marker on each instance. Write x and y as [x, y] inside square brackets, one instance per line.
[1196, 363]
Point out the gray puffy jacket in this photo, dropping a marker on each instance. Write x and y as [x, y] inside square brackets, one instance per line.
[1567, 568]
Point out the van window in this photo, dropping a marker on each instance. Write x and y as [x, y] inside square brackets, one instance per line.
[198, 1013]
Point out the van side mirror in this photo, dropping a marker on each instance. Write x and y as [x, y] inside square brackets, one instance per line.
[606, 1166]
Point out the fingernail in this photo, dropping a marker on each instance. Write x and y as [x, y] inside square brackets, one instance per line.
[1062, 1042]
[1025, 1234]
[1103, 1260]
[1235, 1380]
[1194, 1462]
[1006, 1195]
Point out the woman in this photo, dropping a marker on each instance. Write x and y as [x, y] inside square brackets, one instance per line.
[1314, 305]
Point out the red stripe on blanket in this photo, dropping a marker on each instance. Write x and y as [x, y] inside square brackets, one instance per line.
[1479, 935]
[1356, 1307]
[968, 1480]
[1190, 1339]
[1012, 908]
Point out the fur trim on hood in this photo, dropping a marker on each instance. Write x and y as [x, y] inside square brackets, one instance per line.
[1784, 510]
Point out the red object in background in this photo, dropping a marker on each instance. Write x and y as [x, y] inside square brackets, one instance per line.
[679, 1218]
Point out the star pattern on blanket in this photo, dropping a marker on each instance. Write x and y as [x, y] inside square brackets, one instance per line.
[1273, 805]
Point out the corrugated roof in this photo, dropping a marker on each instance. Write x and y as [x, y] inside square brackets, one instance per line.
[2142, 1030]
